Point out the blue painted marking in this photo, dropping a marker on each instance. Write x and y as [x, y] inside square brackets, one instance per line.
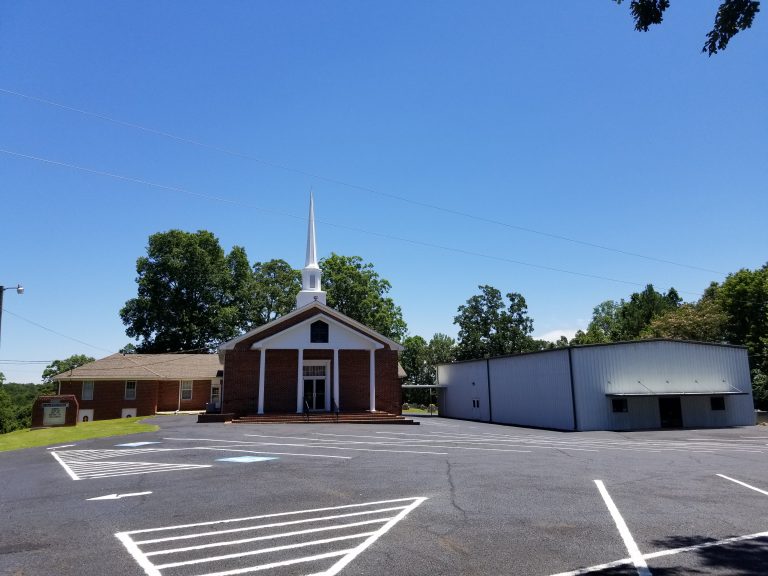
[135, 444]
[246, 459]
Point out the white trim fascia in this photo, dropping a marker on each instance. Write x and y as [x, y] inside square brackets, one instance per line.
[124, 377]
[323, 308]
[316, 345]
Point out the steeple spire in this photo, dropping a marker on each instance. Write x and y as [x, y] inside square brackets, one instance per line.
[311, 261]
[311, 275]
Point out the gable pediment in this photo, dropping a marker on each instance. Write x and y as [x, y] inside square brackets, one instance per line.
[300, 336]
[285, 330]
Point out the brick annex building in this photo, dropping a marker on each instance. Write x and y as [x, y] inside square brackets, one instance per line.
[313, 359]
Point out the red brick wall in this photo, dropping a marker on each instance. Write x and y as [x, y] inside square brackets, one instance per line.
[354, 380]
[241, 384]
[280, 376]
[168, 396]
[388, 391]
[240, 393]
[109, 397]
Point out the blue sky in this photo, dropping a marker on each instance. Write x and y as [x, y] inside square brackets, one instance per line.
[555, 117]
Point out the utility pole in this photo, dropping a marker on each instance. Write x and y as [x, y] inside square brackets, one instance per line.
[19, 290]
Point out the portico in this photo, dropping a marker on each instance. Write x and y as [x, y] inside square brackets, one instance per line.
[314, 359]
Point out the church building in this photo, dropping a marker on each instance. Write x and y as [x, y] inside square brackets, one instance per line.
[314, 359]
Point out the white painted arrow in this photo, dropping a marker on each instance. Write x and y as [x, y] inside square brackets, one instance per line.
[118, 496]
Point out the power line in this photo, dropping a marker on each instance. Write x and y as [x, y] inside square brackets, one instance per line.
[243, 155]
[52, 331]
[327, 223]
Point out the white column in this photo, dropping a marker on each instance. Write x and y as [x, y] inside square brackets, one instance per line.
[373, 380]
[336, 378]
[300, 383]
[262, 365]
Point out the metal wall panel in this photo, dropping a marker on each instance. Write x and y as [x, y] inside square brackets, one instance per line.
[466, 390]
[653, 367]
[532, 390]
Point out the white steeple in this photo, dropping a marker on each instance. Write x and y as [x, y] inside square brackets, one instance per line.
[311, 290]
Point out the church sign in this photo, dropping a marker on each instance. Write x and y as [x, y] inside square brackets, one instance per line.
[54, 411]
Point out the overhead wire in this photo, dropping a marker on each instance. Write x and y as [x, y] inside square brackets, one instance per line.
[180, 190]
[315, 176]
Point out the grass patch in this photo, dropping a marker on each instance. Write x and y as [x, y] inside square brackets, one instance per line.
[84, 430]
[419, 411]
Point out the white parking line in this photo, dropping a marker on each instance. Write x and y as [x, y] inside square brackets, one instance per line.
[90, 464]
[743, 484]
[228, 449]
[663, 553]
[626, 535]
[273, 556]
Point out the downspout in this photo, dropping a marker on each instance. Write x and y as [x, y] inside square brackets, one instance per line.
[178, 409]
[573, 389]
[488, 379]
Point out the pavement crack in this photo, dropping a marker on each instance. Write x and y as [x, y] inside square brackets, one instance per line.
[449, 476]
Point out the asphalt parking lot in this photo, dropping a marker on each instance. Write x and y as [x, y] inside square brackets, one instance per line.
[447, 497]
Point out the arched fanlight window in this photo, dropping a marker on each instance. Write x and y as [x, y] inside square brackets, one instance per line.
[318, 332]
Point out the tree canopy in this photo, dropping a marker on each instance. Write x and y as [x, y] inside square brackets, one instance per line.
[192, 296]
[59, 366]
[276, 286]
[420, 359]
[354, 288]
[188, 293]
[733, 16]
[627, 319]
[488, 327]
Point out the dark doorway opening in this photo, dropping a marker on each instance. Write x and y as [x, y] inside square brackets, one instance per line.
[671, 413]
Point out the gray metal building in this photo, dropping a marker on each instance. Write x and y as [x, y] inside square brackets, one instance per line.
[622, 386]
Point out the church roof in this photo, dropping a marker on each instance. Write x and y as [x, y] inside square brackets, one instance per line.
[147, 367]
[314, 308]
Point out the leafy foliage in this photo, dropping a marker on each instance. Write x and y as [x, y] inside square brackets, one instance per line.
[276, 286]
[733, 16]
[16, 404]
[703, 321]
[187, 293]
[59, 366]
[488, 328]
[626, 320]
[420, 360]
[354, 288]
[743, 297]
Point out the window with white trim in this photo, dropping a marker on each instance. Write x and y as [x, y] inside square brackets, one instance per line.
[130, 390]
[87, 393]
[186, 389]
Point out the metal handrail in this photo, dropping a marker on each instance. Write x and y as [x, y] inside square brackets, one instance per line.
[306, 410]
[335, 409]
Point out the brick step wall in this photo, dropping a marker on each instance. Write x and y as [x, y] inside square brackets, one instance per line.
[326, 418]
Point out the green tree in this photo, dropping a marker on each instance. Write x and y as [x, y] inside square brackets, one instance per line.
[8, 422]
[240, 300]
[415, 361]
[354, 288]
[441, 350]
[733, 16]
[743, 297]
[186, 294]
[276, 285]
[604, 326]
[420, 360]
[641, 308]
[703, 321]
[488, 328]
[60, 366]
